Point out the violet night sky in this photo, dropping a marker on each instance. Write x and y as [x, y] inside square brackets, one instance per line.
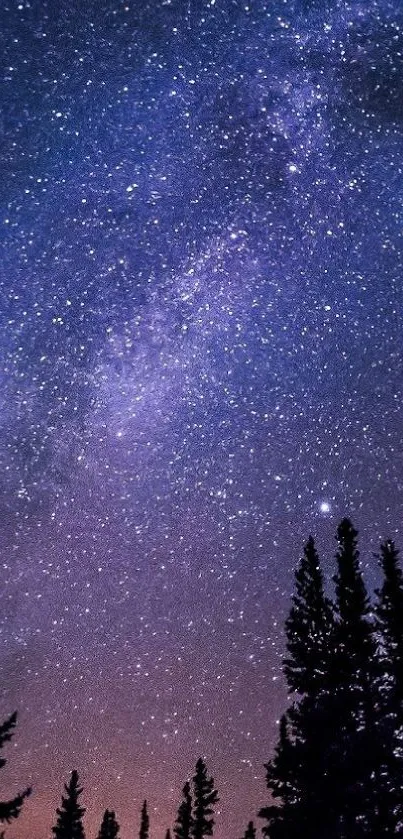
[201, 363]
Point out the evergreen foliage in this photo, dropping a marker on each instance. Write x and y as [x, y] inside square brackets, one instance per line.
[109, 827]
[69, 822]
[184, 821]
[250, 832]
[327, 777]
[309, 628]
[205, 796]
[10, 809]
[144, 822]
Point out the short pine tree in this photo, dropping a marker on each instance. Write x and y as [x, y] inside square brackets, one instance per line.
[144, 822]
[109, 827]
[250, 832]
[69, 822]
[205, 796]
[10, 809]
[184, 821]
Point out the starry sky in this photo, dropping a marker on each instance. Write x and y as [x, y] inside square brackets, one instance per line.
[201, 363]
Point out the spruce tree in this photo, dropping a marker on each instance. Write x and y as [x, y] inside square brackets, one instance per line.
[205, 796]
[389, 624]
[309, 628]
[356, 750]
[296, 773]
[282, 780]
[69, 823]
[10, 809]
[184, 821]
[109, 827]
[168, 834]
[144, 822]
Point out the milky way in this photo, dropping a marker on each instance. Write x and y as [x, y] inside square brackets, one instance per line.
[201, 363]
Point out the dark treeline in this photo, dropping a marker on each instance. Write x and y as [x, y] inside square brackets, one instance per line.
[337, 769]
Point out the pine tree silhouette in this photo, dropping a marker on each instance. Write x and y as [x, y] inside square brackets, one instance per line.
[205, 796]
[144, 822]
[184, 822]
[168, 834]
[69, 823]
[109, 827]
[250, 832]
[389, 624]
[354, 684]
[326, 769]
[309, 628]
[10, 809]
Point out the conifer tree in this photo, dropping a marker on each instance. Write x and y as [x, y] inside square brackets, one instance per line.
[355, 753]
[69, 822]
[309, 628]
[295, 774]
[184, 821]
[205, 796]
[144, 822]
[10, 809]
[168, 834]
[389, 624]
[109, 827]
[389, 621]
[250, 832]
[282, 780]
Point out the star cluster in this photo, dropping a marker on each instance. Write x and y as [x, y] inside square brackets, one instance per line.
[201, 343]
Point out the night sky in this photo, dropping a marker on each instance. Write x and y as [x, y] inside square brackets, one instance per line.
[201, 363]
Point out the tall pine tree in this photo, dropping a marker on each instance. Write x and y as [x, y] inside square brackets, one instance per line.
[10, 809]
[184, 821]
[69, 822]
[355, 753]
[309, 628]
[144, 822]
[205, 796]
[296, 773]
[389, 624]
[109, 827]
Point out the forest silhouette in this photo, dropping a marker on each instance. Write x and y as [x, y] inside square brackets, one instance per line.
[337, 768]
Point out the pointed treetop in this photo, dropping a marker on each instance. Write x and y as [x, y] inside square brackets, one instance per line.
[184, 820]
[250, 832]
[70, 813]
[205, 796]
[352, 601]
[308, 627]
[109, 828]
[145, 822]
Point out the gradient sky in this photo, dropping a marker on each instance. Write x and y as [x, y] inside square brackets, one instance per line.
[201, 363]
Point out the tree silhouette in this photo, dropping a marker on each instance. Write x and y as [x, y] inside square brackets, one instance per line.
[325, 776]
[10, 809]
[69, 823]
[168, 834]
[144, 822]
[205, 796]
[109, 827]
[309, 628]
[389, 624]
[184, 821]
[250, 832]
